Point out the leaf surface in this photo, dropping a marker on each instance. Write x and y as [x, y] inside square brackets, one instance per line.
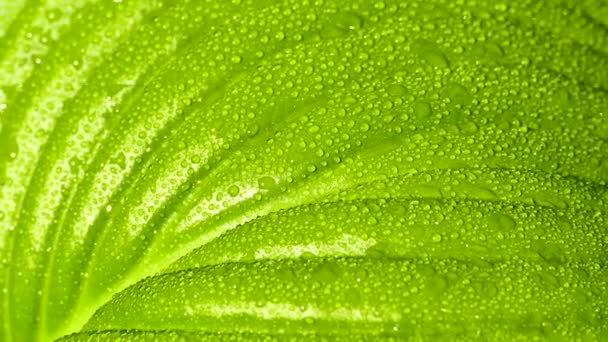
[250, 170]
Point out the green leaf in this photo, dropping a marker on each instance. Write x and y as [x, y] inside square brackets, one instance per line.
[297, 170]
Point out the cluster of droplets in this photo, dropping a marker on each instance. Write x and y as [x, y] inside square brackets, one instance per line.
[365, 296]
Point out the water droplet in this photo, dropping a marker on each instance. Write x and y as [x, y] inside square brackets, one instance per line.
[267, 183]
[501, 222]
[422, 110]
[233, 190]
[397, 90]
[347, 20]
[326, 273]
[314, 129]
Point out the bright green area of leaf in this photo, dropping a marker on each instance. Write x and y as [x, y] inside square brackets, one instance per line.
[296, 170]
